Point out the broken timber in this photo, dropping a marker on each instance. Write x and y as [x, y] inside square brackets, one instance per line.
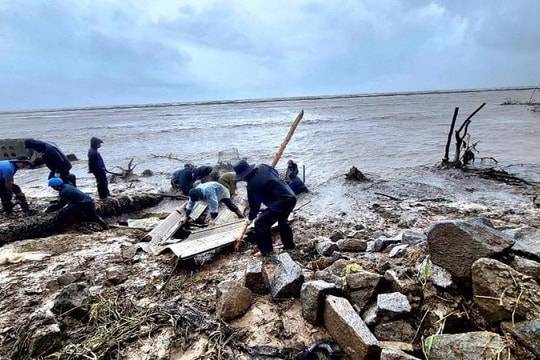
[46, 224]
[222, 233]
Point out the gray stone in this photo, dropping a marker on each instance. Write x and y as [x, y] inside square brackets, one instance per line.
[115, 275]
[398, 250]
[502, 293]
[527, 267]
[325, 247]
[361, 287]
[478, 345]
[455, 245]
[394, 354]
[438, 275]
[73, 301]
[234, 299]
[348, 329]
[256, 277]
[313, 294]
[337, 236]
[392, 304]
[527, 334]
[288, 278]
[412, 237]
[398, 330]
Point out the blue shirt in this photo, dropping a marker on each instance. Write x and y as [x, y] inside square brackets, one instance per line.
[213, 192]
[7, 170]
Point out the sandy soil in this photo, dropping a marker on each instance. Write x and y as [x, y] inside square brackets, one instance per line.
[33, 272]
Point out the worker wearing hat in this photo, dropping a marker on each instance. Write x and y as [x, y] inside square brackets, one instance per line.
[264, 186]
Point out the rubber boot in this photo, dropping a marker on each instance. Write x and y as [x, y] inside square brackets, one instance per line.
[8, 208]
[102, 223]
[22, 201]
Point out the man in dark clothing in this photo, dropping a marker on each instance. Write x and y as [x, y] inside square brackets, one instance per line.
[96, 166]
[74, 204]
[54, 159]
[185, 179]
[8, 188]
[264, 186]
[292, 170]
[297, 185]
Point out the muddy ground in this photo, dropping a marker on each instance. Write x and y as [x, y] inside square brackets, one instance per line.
[129, 287]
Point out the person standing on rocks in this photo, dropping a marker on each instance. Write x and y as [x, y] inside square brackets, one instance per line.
[8, 188]
[75, 205]
[264, 186]
[57, 162]
[96, 166]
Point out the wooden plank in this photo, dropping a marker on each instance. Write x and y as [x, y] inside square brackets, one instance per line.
[167, 227]
[206, 240]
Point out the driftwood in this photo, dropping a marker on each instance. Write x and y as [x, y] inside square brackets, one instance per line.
[126, 173]
[499, 175]
[460, 160]
[45, 224]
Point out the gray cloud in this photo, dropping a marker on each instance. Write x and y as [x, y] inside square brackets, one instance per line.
[90, 53]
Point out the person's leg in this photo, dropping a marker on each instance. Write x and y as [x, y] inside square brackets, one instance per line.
[263, 231]
[21, 198]
[6, 196]
[90, 213]
[102, 184]
[285, 230]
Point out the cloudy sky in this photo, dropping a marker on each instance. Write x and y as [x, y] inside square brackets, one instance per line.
[72, 53]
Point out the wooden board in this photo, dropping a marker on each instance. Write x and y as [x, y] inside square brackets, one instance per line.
[206, 240]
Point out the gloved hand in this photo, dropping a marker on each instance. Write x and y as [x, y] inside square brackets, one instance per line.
[48, 209]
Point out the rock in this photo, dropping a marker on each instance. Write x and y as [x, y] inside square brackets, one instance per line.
[477, 345]
[313, 294]
[526, 333]
[399, 330]
[502, 293]
[455, 245]
[288, 278]
[256, 277]
[115, 275]
[73, 301]
[348, 329]
[352, 245]
[233, 300]
[392, 354]
[325, 246]
[361, 286]
[392, 305]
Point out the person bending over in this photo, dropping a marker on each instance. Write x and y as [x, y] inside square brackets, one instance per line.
[213, 193]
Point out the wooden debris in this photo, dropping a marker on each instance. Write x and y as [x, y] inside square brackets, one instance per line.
[355, 174]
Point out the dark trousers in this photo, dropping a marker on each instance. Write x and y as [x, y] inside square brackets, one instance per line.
[66, 177]
[84, 211]
[6, 195]
[102, 183]
[229, 204]
[263, 229]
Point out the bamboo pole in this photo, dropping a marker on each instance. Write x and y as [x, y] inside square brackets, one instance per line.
[287, 138]
[278, 155]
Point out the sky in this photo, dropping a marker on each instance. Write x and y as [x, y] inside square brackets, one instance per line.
[84, 53]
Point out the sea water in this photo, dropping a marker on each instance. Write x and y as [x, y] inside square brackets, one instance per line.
[379, 134]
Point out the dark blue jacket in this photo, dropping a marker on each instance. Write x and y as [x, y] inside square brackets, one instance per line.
[265, 186]
[297, 185]
[183, 179]
[70, 195]
[95, 161]
[52, 156]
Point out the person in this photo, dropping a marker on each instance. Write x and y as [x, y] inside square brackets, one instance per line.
[292, 169]
[96, 166]
[264, 186]
[204, 174]
[74, 204]
[185, 178]
[229, 182]
[212, 193]
[297, 185]
[54, 159]
[8, 188]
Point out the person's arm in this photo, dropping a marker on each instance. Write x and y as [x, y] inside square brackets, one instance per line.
[213, 204]
[59, 205]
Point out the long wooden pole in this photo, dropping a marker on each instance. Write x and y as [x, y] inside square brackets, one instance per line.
[287, 138]
[278, 155]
